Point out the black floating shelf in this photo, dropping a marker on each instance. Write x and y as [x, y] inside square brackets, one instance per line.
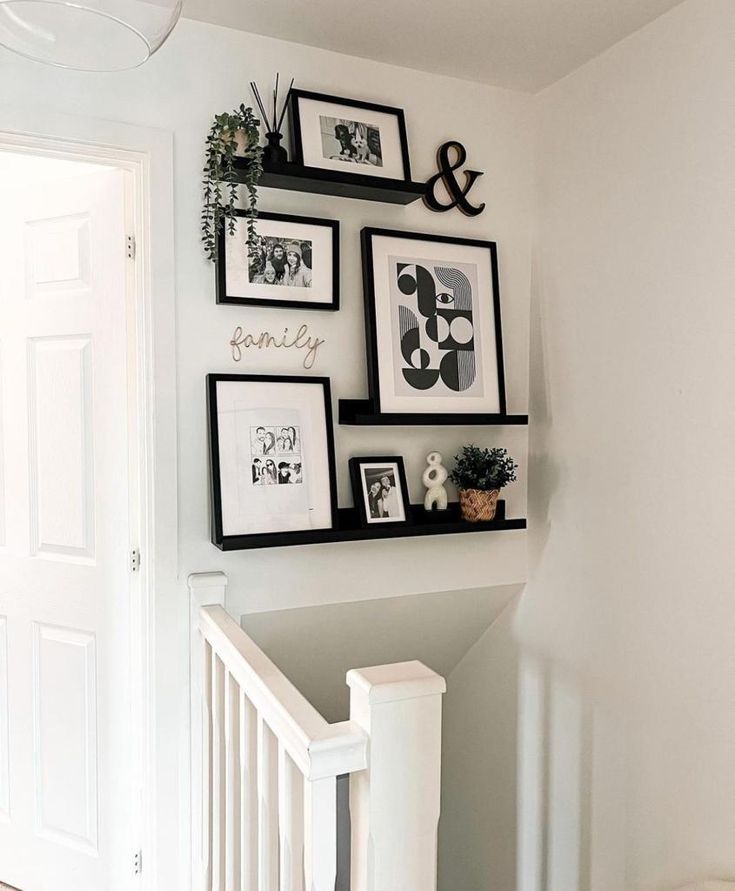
[296, 178]
[362, 412]
[446, 522]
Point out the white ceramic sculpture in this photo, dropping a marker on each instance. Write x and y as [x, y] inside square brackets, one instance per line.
[434, 478]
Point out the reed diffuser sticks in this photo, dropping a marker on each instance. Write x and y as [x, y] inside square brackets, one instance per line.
[273, 124]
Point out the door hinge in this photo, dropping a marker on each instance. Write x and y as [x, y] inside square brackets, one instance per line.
[130, 246]
[137, 863]
[134, 560]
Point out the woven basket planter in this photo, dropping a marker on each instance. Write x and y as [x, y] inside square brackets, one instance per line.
[478, 506]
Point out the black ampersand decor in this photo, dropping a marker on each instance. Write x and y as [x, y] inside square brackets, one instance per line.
[446, 173]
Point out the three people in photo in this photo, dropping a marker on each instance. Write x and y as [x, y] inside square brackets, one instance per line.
[286, 440]
[280, 262]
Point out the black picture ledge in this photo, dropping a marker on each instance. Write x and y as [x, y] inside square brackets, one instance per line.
[361, 412]
[420, 523]
[296, 178]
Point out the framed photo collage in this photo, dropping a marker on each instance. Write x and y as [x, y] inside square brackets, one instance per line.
[432, 325]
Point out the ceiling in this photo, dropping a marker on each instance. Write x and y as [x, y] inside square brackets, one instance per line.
[519, 44]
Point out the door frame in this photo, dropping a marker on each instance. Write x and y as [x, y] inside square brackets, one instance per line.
[146, 154]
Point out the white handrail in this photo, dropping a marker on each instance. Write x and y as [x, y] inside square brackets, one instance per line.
[265, 763]
[319, 749]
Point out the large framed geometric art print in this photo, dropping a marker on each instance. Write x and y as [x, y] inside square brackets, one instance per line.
[432, 312]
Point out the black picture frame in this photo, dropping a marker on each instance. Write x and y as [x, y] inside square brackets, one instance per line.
[262, 539]
[294, 116]
[356, 478]
[371, 326]
[221, 266]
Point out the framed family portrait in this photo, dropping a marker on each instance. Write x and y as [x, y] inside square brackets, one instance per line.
[380, 490]
[349, 136]
[293, 264]
[271, 455]
[432, 313]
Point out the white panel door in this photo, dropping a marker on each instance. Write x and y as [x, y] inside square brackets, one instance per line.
[66, 747]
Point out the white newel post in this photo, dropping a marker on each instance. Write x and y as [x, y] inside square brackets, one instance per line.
[206, 589]
[394, 804]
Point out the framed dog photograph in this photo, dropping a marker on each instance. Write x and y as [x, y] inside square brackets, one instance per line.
[294, 263]
[271, 455]
[432, 322]
[348, 135]
[380, 490]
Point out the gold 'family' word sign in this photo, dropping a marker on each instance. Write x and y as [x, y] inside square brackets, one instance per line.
[302, 340]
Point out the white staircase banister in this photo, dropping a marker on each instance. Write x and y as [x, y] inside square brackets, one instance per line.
[318, 748]
[265, 763]
[395, 803]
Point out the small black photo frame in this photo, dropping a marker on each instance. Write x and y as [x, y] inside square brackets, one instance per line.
[349, 136]
[294, 264]
[380, 490]
[272, 465]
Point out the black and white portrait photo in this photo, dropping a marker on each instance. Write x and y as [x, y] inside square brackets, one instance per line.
[289, 472]
[276, 262]
[433, 323]
[382, 493]
[380, 490]
[275, 455]
[349, 136]
[288, 440]
[351, 141]
[292, 262]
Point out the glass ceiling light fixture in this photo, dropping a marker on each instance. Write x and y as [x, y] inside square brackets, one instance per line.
[87, 35]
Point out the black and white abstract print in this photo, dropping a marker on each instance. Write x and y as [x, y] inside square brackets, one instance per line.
[436, 339]
[351, 141]
[276, 455]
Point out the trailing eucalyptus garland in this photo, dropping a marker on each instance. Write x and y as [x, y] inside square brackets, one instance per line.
[221, 180]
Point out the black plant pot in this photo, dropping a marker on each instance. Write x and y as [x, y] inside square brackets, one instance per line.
[274, 152]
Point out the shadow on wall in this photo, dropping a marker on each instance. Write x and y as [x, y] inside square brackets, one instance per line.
[477, 829]
[523, 752]
[543, 473]
[571, 815]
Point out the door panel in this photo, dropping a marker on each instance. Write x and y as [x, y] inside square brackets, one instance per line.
[65, 735]
[60, 417]
[58, 255]
[64, 577]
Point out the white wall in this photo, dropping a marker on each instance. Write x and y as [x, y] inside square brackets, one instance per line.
[205, 69]
[477, 828]
[631, 598]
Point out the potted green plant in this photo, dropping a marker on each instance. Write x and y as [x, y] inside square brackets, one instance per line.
[232, 135]
[480, 474]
